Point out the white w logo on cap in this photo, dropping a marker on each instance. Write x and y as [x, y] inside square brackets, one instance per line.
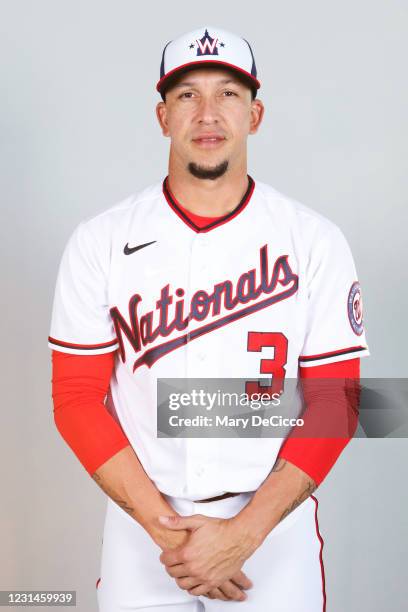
[211, 46]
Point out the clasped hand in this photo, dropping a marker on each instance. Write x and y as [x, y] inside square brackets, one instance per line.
[210, 561]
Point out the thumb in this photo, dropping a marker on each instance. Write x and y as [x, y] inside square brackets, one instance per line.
[181, 522]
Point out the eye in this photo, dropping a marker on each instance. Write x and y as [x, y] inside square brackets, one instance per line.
[186, 94]
[229, 91]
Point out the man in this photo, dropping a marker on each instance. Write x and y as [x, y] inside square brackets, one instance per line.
[208, 274]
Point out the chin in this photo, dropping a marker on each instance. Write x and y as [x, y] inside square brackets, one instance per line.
[211, 171]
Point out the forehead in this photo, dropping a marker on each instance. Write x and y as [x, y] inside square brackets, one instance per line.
[207, 73]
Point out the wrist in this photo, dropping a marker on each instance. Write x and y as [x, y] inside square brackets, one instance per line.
[166, 538]
[258, 519]
[248, 531]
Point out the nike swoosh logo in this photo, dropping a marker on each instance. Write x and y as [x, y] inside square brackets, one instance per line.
[129, 250]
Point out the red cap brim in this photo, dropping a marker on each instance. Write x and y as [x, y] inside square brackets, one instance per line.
[183, 67]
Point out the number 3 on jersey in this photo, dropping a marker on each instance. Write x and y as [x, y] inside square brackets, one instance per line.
[276, 366]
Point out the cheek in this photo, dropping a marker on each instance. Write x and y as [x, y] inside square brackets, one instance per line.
[179, 128]
[240, 130]
[239, 121]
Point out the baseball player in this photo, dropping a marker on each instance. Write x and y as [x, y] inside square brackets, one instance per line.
[209, 273]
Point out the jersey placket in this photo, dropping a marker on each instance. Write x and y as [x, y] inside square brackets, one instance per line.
[201, 453]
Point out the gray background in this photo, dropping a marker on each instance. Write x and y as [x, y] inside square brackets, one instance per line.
[78, 133]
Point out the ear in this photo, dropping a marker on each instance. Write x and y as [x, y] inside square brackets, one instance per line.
[257, 113]
[161, 114]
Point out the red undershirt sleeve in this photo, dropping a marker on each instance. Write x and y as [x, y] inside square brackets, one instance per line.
[316, 456]
[79, 387]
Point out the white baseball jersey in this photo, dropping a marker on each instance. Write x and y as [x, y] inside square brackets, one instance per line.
[268, 287]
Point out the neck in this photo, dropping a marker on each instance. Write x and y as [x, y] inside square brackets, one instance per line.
[211, 198]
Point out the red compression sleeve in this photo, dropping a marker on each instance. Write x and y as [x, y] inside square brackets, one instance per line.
[316, 456]
[79, 386]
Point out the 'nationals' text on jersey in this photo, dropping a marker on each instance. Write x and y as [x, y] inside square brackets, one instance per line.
[226, 296]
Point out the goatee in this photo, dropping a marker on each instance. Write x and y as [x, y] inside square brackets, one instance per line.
[208, 173]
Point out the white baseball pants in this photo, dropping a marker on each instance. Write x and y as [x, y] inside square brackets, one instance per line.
[286, 570]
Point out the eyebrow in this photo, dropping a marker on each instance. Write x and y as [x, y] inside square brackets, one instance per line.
[192, 83]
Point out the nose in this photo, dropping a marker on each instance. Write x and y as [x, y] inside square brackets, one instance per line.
[208, 112]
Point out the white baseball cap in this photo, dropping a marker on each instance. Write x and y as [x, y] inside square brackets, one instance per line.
[210, 46]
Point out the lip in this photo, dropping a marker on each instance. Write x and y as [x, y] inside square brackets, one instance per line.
[208, 140]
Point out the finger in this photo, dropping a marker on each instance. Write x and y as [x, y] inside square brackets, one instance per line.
[177, 571]
[187, 583]
[201, 589]
[216, 594]
[182, 522]
[232, 591]
[171, 557]
[242, 580]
